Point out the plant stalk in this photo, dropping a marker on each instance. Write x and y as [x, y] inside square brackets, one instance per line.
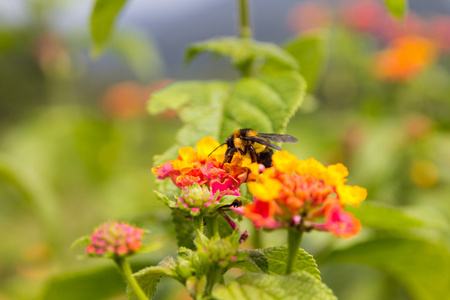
[198, 227]
[245, 29]
[256, 238]
[294, 242]
[125, 269]
[214, 277]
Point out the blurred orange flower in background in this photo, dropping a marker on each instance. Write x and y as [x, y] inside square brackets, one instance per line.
[405, 58]
[129, 99]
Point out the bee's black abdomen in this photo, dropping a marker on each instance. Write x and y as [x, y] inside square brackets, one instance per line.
[265, 157]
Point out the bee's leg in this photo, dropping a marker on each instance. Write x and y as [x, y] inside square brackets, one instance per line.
[248, 173]
[254, 158]
[229, 155]
[253, 155]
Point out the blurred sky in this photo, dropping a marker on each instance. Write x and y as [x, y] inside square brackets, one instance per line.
[173, 24]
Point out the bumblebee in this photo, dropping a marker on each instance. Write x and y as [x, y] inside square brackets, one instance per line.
[257, 145]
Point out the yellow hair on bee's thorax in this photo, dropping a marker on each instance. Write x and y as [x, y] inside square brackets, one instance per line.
[238, 143]
[252, 133]
[258, 147]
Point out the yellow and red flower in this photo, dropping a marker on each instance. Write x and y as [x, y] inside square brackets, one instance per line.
[205, 167]
[304, 194]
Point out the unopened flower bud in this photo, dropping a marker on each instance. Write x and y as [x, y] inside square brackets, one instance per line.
[243, 237]
[184, 269]
[195, 198]
[219, 251]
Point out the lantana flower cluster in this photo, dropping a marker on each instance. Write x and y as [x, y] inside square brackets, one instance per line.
[204, 168]
[303, 194]
[114, 239]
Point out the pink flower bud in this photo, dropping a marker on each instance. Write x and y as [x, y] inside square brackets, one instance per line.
[115, 239]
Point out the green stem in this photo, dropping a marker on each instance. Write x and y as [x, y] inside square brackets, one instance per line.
[245, 29]
[213, 278]
[212, 226]
[215, 225]
[198, 227]
[294, 241]
[125, 269]
[245, 32]
[256, 238]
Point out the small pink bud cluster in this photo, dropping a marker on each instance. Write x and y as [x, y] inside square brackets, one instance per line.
[114, 239]
[196, 197]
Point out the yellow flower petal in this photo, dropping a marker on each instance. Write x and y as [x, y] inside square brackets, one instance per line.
[238, 159]
[336, 174]
[254, 168]
[351, 194]
[265, 191]
[205, 146]
[187, 154]
[285, 162]
[311, 167]
[268, 173]
[181, 164]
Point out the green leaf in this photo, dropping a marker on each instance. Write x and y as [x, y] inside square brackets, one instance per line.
[273, 261]
[421, 267]
[299, 285]
[93, 283]
[200, 106]
[102, 20]
[256, 262]
[242, 51]
[184, 230]
[398, 8]
[96, 283]
[310, 53]
[237, 291]
[216, 109]
[82, 241]
[165, 199]
[149, 277]
[380, 216]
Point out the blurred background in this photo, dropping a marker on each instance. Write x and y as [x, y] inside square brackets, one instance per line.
[76, 143]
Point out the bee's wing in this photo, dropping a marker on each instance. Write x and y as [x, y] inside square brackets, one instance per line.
[280, 138]
[260, 141]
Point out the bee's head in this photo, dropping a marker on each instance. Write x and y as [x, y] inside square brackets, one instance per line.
[230, 141]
